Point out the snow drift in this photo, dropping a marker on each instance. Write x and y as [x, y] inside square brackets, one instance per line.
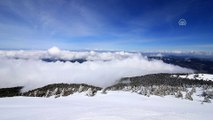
[25, 68]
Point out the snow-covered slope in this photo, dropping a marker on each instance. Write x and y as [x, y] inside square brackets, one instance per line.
[206, 77]
[113, 105]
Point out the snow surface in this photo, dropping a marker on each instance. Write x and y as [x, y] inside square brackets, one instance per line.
[198, 76]
[113, 105]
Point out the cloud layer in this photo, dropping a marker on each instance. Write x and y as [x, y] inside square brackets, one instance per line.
[101, 69]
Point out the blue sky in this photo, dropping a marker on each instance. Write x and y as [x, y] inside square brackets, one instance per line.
[141, 25]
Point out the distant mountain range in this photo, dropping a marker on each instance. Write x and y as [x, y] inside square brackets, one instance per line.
[200, 65]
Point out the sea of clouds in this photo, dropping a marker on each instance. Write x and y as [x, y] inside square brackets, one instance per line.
[26, 68]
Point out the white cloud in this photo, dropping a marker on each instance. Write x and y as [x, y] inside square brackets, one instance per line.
[102, 68]
[54, 51]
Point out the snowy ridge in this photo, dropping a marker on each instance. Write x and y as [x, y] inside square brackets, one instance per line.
[206, 77]
[148, 85]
